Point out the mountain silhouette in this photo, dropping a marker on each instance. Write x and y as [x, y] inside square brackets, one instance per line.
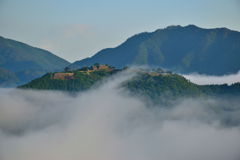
[181, 49]
[21, 63]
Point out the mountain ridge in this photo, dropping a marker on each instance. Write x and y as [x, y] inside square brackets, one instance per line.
[17, 57]
[13, 52]
[181, 49]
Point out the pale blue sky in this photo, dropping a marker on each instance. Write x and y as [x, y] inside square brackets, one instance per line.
[75, 29]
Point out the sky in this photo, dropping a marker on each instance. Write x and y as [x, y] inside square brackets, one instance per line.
[75, 30]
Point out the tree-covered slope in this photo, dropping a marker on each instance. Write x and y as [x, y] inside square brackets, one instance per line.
[80, 82]
[16, 56]
[182, 49]
[166, 89]
[160, 88]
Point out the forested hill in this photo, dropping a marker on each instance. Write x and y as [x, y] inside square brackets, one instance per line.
[77, 80]
[21, 63]
[17, 56]
[181, 49]
[158, 86]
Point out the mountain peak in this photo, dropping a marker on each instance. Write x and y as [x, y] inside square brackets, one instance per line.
[181, 49]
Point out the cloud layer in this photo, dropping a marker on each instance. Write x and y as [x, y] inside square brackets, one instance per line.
[206, 79]
[106, 123]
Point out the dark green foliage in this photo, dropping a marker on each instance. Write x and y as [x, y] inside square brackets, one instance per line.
[160, 70]
[67, 69]
[182, 49]
[84, 69]
[166, 89]
[81, 81]
[163, 89]
[169, 72]
[223, 89]
[96, 64]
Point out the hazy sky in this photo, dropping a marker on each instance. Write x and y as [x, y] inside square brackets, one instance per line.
[75, 30]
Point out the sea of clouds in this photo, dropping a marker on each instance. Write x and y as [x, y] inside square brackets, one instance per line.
[106, 123]
[210, 79]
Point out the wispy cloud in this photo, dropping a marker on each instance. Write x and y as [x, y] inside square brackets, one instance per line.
[49, 45]
[78, 30]
[206, 79]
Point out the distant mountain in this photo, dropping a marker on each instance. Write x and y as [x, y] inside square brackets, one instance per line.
[181, 49]
[7, 78]
[17, 57]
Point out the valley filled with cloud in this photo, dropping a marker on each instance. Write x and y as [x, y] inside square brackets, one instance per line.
[211, 79]
[107, 123]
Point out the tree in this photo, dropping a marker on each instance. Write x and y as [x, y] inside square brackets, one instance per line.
[67, 69]
[84, 69]
[126, 67]
[160, 70]
[96, 64]
[147, 70]
[169, 72]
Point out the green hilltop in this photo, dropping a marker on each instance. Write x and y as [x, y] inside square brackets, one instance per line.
[76, 80]
[158, 86]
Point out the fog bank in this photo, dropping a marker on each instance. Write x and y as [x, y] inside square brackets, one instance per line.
[206, 79]
[107, 124]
